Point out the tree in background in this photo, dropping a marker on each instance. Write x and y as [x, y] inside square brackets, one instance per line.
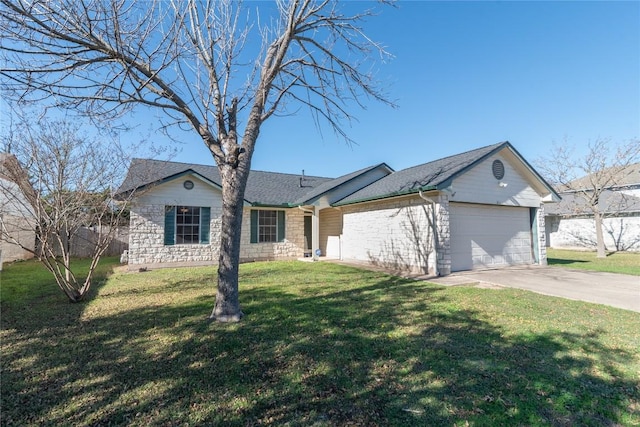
[216, 66]
[61, 183]
[588, 179]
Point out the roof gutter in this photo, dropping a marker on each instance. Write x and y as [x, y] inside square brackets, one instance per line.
[389, 195]
[268, 205]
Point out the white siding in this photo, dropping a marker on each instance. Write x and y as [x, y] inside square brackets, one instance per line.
[18, 221]
[330, 231]
[21, 231]
[173, 193]
[478, 185]
[13, 202]
[489, 236]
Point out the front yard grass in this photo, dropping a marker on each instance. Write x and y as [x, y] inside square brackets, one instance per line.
[615, 262]
[29, 280]
[322, 345]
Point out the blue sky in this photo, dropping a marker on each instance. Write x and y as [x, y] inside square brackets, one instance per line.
[466, 75]
[469, 74]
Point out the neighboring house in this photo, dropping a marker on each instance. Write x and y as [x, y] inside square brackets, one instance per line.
[570, 223]
[16, 214]
[479, 209]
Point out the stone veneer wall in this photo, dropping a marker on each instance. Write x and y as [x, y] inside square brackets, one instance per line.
[146, 240]
[542, 236]
[444, 235]
[292, 246]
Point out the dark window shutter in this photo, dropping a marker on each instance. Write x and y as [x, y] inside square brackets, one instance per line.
[205, 218]
[170, 225]
[254, 227]
[280, 226]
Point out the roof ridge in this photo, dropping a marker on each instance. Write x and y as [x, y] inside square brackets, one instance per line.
[292, 174]
[189, 165]
[146, 159]
[493, 146]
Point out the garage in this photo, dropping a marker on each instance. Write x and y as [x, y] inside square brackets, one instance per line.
[486, 236]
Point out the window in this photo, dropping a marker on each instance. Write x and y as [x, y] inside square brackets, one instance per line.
[267, 226]
[186, 225]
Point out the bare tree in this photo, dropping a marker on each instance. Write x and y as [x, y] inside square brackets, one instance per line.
[214, 65]
[55, 183]
[621, 232]
[591, 182]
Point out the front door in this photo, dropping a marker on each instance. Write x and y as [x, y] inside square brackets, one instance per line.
[308, 234]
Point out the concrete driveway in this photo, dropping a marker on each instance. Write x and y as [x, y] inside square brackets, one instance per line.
[616, 290]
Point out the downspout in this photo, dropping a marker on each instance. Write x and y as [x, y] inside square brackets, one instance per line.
[434, 226]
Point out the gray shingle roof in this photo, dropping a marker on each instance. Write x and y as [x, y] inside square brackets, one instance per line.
[628, 175]
[611, 202]
[619, 198]
[278, 189]
[263, 188]
[422, 177]
[329, 185]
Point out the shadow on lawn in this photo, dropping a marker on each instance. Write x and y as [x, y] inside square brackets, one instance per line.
[391, 353]
[562, 261]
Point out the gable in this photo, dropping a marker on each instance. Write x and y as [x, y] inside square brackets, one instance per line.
[339, 188]
[440, 174]
[173, 192]
[427, 176]
[479, 185]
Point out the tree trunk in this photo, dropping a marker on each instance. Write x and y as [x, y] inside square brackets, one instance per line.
[227, 306]
[601, 253]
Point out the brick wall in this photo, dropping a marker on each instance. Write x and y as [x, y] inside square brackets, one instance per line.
[396, 234]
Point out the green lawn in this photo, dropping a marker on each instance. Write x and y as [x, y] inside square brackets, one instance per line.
[27, 280]
[616, 262]
[321, 345]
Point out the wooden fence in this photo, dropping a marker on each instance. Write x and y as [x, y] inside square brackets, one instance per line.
[83, 242]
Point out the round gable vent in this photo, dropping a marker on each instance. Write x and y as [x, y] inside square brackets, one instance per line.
[498, 169]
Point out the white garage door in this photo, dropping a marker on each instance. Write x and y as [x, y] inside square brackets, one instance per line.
[485, 236]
